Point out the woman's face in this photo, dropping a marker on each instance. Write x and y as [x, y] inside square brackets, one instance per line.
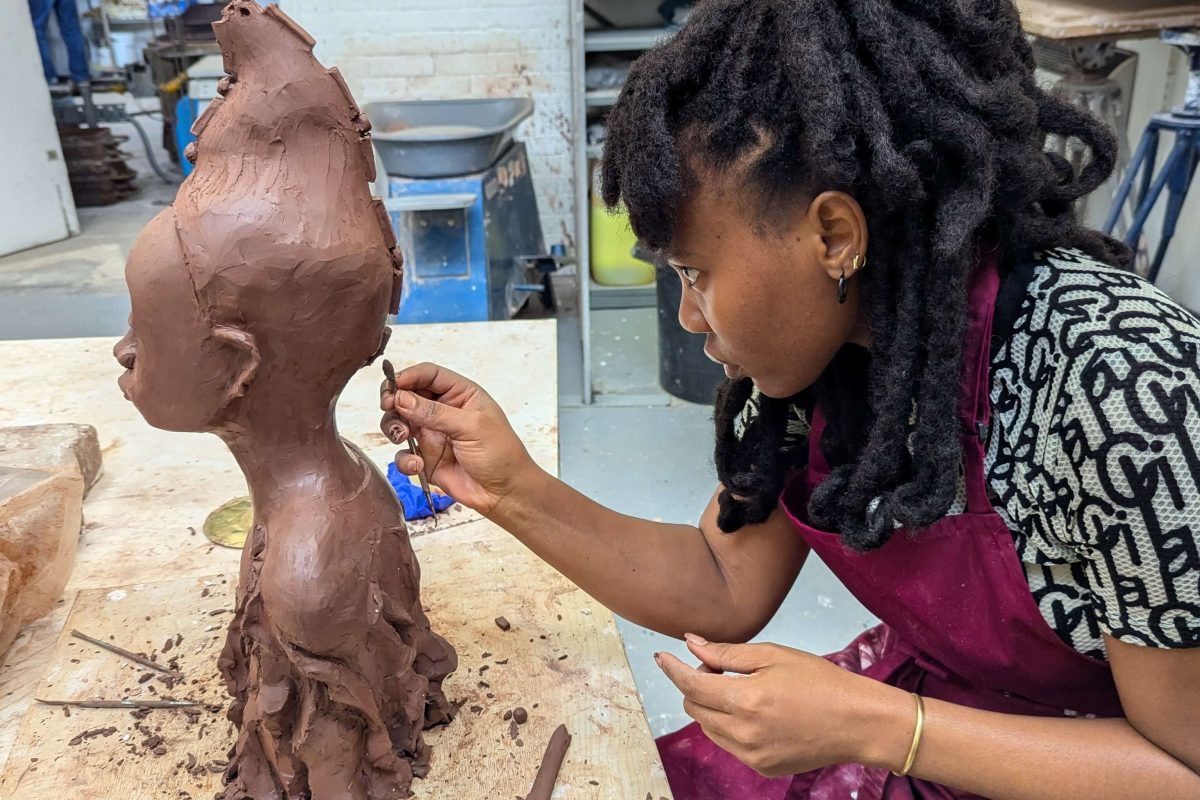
[765, 296]
[175, 373]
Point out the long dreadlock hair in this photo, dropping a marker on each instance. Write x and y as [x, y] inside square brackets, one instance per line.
[928, 113]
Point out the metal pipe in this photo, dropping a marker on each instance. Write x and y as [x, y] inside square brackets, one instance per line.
[158, 170]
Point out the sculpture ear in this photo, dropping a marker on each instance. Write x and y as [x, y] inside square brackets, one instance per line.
[248, 360]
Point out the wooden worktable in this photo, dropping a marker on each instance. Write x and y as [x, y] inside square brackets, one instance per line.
[1082, 20]
[140, 546]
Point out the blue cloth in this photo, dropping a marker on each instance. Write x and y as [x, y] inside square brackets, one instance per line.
[413, 498]
[72, 34]
[170, 8]
[174, 8]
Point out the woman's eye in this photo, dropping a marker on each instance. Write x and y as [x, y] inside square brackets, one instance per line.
[690, 274]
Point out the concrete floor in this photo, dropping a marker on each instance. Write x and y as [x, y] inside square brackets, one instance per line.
[649, 455]
[76, 287]
[655, 462]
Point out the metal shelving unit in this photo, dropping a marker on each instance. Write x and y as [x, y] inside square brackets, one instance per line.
[610, 297]
[587, 105]
[600, 98]
[620, 40]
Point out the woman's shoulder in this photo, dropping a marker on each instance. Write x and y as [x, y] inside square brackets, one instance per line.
[1086, 306]
[1096, 398]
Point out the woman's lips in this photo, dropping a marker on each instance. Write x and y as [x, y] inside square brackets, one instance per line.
[123, 382]
[732, 371]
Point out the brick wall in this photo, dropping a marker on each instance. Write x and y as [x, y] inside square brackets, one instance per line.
[434, 49]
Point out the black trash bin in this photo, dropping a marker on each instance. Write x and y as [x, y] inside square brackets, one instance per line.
[683, 369]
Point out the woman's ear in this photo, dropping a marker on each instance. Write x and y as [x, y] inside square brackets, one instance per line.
[247, 360]
[842, 226]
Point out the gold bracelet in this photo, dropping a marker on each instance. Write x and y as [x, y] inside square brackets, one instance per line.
[916, 742]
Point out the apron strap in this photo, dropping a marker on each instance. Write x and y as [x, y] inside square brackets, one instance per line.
[975, 405]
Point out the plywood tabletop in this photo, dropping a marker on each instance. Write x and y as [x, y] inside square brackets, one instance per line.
[1066, 20]
[142, 543]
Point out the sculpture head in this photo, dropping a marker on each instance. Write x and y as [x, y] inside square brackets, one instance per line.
[267, 284]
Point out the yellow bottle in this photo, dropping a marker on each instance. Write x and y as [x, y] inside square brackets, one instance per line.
[611, 243]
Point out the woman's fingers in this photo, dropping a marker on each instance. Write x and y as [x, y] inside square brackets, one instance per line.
[430, 378]
[703, 688]
[741, 658]
[408, 464]
[431, 415]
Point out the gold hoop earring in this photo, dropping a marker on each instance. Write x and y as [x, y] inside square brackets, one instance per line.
[843, 285]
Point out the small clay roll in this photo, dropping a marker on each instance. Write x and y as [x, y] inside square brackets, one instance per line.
[397, 281]
[214, 108]
[336, 74]
[547, 774]
[291, 25]
[385, 220]
[367, 152]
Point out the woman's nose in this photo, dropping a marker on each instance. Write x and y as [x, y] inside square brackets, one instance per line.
[691, 318]
[125, 352]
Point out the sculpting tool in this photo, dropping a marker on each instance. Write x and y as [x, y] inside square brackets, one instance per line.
[127, 703]
[112, 648]
[389, 372]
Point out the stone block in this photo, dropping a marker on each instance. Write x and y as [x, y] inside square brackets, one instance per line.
[53, 448]
[40, 517]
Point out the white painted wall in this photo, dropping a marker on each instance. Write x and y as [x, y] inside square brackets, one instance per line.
[436, 49]
[36, 205]
[1161, 82]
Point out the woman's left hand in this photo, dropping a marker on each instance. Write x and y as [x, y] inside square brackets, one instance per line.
[785, 711]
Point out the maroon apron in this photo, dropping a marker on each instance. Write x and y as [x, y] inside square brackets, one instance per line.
[958, 620]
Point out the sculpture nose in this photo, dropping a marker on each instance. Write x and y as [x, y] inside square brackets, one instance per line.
[125, 352]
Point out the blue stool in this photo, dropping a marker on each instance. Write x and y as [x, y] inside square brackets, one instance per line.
[1177, 171]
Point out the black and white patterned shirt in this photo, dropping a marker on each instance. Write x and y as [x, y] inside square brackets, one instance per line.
[1093, 455]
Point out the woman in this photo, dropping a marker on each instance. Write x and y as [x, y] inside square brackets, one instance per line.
[938, 381]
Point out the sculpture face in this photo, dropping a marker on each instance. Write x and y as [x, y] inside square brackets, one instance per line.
[175, 372]
[267, 283]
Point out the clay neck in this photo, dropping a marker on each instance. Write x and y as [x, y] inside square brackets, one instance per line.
[286, 456]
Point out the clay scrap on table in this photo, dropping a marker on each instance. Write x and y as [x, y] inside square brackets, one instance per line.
[255, 298]
[552, 759]
[45, 472]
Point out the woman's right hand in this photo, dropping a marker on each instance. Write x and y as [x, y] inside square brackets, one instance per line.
[468, 442]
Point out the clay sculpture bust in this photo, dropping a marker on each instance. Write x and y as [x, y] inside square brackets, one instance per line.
[256, 297]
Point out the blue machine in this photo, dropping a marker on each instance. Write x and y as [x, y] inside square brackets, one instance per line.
[472, 244]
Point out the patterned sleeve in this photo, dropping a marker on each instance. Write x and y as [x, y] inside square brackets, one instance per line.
[1130, 462]
[798, 421]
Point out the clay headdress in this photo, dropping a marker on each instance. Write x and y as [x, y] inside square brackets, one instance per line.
[278, 228]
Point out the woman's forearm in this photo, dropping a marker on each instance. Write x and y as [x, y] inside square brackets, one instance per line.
[662, 576]
[1011, 757]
